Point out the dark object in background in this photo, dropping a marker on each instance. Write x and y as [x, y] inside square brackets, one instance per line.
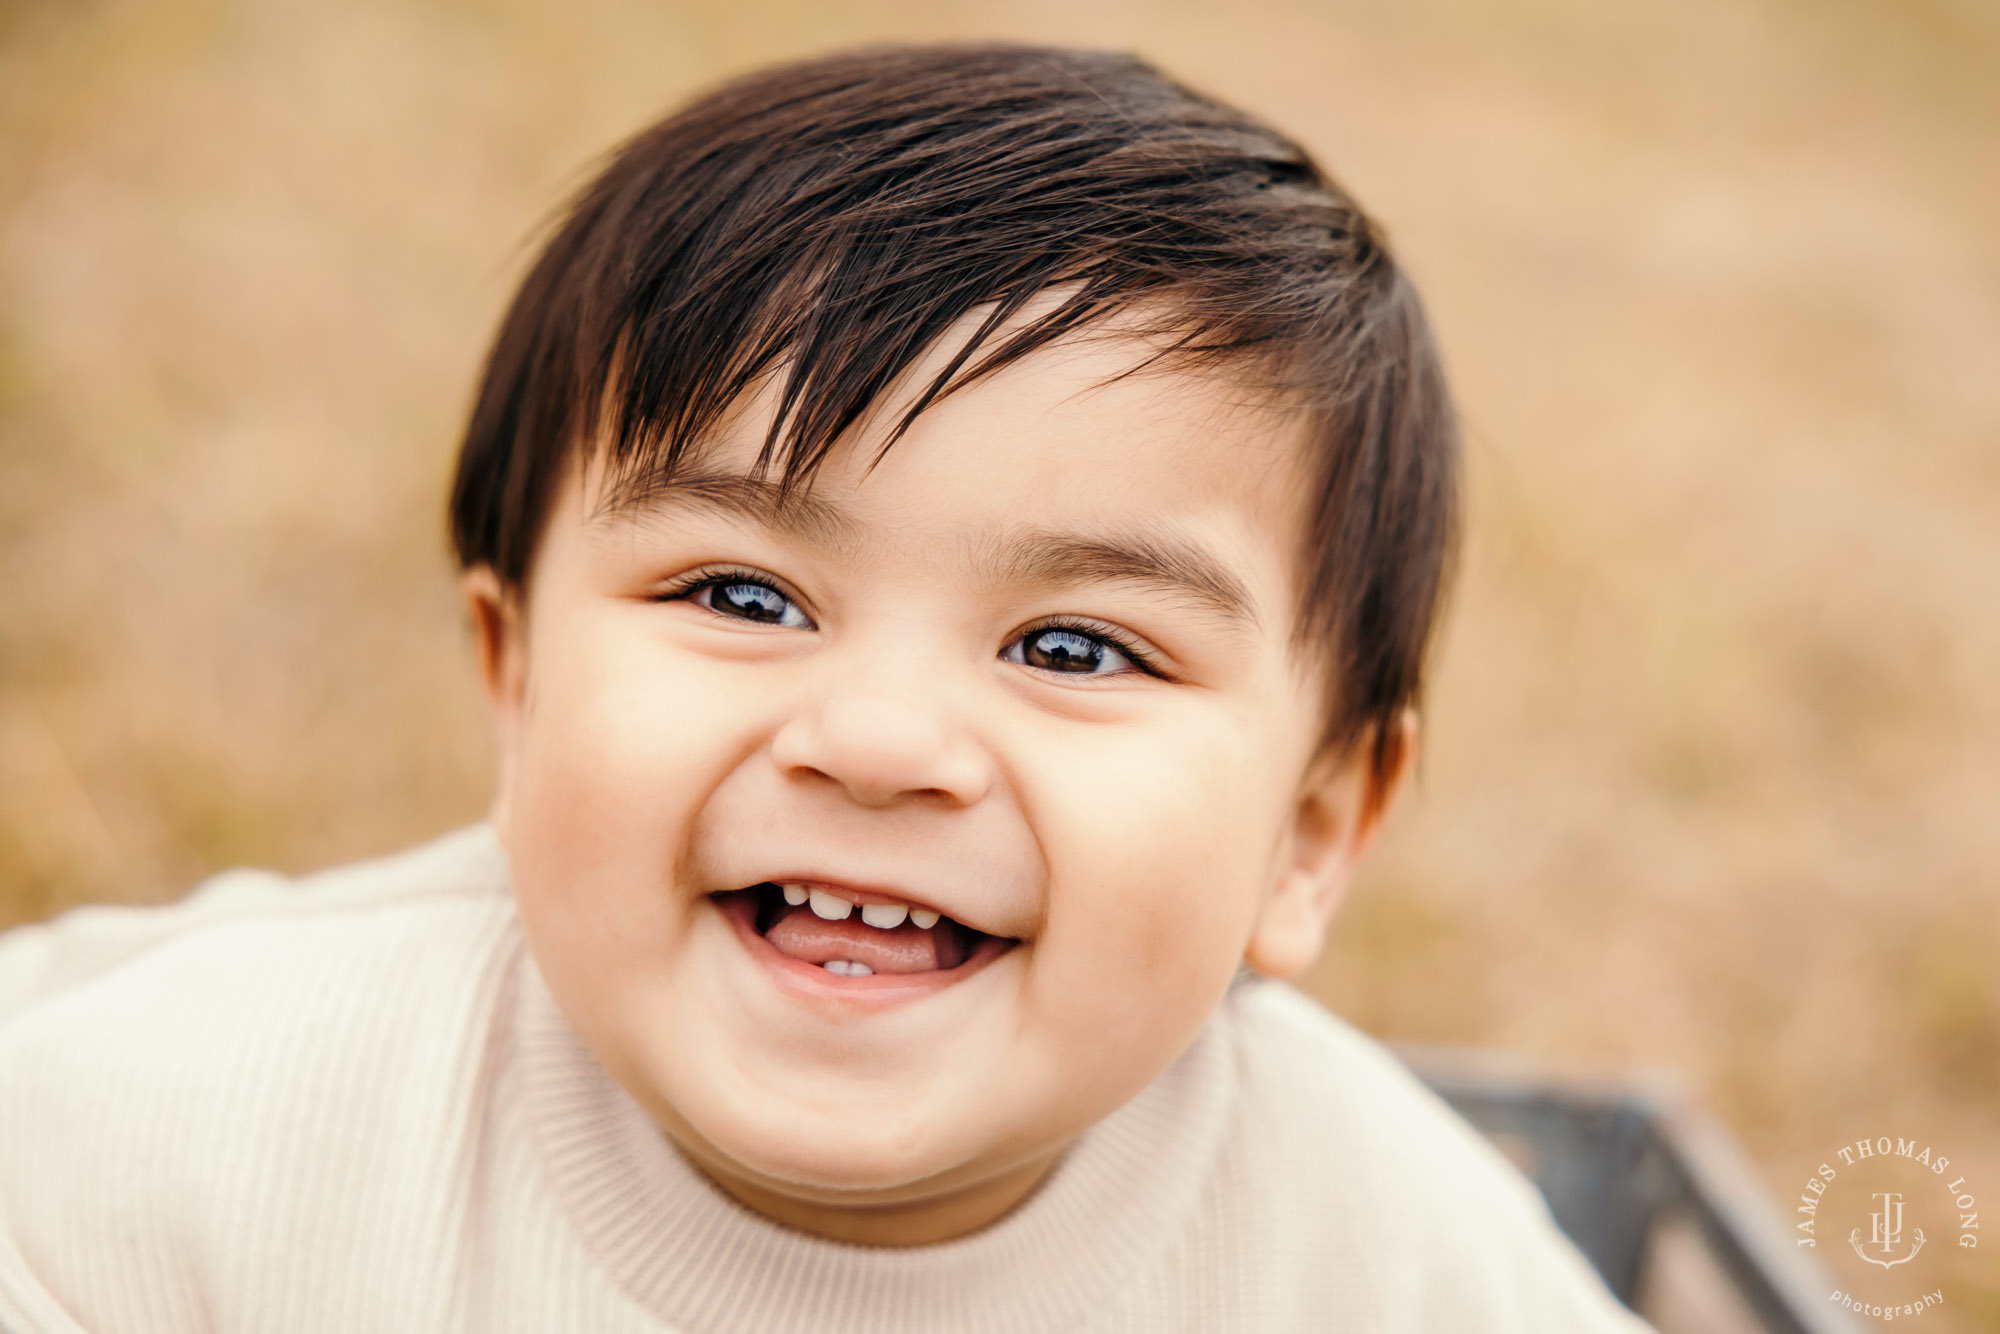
[1655, 1195]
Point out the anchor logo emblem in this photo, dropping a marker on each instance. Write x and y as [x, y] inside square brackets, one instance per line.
[1887, 1232]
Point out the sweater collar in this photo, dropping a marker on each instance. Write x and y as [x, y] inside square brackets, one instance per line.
[678, 1245]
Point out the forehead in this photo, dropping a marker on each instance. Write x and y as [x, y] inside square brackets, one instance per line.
[1078, 462]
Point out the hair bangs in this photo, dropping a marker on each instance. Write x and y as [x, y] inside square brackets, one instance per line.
[816, 231]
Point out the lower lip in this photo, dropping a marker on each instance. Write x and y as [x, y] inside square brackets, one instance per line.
[870, 989]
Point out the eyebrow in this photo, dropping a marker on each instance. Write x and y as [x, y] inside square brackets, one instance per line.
[1165, 562]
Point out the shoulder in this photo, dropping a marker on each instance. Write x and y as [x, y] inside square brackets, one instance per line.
[259, 1050]
[148, 1001]
[87, 944]
[1310, 1072]
[1388, 1194]
[1353, 1121]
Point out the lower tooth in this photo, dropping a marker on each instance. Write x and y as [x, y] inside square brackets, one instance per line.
[846, 968]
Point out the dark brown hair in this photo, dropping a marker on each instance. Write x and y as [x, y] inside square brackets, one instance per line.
[829, 220]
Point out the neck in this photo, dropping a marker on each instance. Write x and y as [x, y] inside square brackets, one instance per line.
[917, 1221]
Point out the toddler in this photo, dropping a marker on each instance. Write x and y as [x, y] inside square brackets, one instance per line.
[951, 536]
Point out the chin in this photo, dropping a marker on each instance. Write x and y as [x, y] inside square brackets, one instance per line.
[830, 1159]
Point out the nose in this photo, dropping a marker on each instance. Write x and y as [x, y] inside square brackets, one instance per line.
[882, 745]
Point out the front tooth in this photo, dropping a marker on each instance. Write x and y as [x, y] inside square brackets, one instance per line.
[887, 916]
[838, 967]
[795, 894]
[924, 917]
[830, 906]
[855, 968]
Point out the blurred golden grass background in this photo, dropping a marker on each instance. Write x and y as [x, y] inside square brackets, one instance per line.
[1712, 781]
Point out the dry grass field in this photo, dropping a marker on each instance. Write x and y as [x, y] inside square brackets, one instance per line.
[1712, 782]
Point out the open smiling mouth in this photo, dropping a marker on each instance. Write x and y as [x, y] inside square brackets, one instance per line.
[821, 930]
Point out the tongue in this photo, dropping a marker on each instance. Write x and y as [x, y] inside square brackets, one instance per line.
[909, 948]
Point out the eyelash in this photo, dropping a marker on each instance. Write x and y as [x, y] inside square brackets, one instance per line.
[713, 576]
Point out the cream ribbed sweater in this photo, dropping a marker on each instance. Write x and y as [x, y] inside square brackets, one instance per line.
[349, 1104]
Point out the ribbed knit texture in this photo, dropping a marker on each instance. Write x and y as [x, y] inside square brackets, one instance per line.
[349, 1103]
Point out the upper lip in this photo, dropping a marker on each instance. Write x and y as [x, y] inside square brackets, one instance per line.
[858, 891]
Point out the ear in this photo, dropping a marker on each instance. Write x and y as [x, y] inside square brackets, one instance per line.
[1341, 806]
[499, 633]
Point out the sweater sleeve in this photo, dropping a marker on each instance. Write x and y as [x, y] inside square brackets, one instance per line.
[1413, 1221]
[88, 1127]
[249, 1110]
[1499, 1262]
[25, 1305]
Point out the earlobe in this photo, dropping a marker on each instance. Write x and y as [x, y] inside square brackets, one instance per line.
[1340, 810]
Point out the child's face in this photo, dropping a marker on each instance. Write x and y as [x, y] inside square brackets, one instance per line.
[893, 718]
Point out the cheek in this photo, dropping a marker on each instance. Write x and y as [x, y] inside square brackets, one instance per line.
[1158, 868]
[621, 728]
[619, 746]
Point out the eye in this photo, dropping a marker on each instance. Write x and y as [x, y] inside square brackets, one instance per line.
[738, 595]
[1063, 648]
[1078, 648]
